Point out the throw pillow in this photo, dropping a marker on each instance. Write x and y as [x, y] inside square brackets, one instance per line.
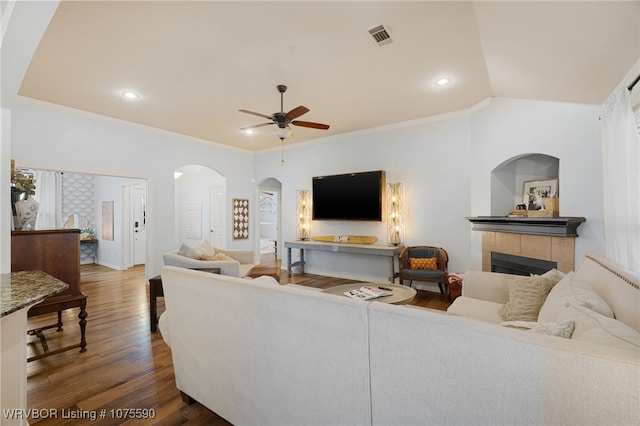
[572, 290]
[423, 262]
[196, 252]
[553, 275]
[215, 257]
[188, 251]
[525, 299]
[562, 329]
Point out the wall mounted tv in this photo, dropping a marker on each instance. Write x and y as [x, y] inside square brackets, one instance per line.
[350, 196]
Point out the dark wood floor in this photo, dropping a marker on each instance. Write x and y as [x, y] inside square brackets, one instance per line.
[125, 366]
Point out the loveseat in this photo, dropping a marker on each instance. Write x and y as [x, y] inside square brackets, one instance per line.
[235, 263]
[260, 353]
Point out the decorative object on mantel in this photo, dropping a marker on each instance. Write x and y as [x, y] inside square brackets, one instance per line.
[535, 191]
[23, 205]
[303, 214]
[351, 239]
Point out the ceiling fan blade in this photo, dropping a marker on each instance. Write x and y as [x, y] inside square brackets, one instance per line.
[310, 124]
[296, 112]
[256, 125]
[256, 113]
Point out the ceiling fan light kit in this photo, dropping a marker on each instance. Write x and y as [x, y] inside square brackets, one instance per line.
[284, 120]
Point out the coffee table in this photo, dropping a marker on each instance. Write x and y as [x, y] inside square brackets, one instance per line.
[401, 293]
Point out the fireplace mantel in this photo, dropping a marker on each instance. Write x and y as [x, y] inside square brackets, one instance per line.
[551, 226]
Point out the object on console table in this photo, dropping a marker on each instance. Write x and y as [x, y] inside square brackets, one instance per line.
[352, 239]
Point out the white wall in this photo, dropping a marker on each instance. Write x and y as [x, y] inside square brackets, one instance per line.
[53, 138]
[445, 165]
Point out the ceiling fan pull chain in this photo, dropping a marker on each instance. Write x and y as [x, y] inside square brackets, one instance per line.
[282, 155]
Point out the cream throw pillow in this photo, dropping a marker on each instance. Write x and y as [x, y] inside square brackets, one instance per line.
[202, 249]
[526, 297]
[562, 329]
[215, 256]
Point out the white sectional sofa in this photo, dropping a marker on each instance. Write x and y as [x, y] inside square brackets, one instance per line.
[258, 353]
[237, 263]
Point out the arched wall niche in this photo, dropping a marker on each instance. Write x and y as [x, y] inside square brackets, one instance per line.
[508, 177]
[200, 205]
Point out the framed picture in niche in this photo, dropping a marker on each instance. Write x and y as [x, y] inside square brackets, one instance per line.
[534, 191]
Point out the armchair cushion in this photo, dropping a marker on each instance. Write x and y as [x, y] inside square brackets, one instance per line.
[417, 274]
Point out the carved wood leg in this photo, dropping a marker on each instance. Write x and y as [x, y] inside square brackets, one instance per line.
[59, 321]
[83, 325]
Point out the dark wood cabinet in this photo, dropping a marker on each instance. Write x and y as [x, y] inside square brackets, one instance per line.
[56, 252]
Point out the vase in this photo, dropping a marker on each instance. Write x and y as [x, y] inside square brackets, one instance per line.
[27, 213]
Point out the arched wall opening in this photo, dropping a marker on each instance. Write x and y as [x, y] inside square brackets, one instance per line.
[269, 219]
[508, 178]
[200, 206]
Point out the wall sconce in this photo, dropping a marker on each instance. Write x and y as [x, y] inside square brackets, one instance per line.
[303, 214]
[395, 213]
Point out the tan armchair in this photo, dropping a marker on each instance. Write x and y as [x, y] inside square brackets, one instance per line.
[424, 263]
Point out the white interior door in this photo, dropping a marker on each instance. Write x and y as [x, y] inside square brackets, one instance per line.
[139, 203]
[217, 220]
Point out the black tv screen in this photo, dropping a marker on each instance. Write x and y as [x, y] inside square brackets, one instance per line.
[351, 196]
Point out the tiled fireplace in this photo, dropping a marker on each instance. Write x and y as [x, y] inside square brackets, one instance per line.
[551, 239]
[555, 249]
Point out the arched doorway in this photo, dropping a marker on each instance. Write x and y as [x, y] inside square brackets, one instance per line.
[269, 241]
[200, 203]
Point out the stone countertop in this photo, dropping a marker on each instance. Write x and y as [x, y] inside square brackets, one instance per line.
[25, 288]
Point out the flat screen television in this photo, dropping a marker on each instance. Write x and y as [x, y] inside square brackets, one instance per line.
[350, 196]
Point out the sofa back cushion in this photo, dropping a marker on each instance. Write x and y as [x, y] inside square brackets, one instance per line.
[619, 288]
[260, 353]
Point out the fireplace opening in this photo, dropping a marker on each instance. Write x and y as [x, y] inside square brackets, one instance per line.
[519, 265]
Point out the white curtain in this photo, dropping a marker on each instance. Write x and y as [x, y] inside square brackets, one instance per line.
[621, 181]
[49, 195]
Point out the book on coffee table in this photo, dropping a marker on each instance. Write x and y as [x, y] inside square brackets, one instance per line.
[367, 293]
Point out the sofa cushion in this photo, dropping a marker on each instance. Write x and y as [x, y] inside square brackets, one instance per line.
[475, 308]
[525, 299]
[562, 329]
[214, 257]
[553, 275]
[423, 262]
[572, 290]
[202, 249]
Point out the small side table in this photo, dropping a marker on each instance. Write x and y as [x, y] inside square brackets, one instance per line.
[155, 291]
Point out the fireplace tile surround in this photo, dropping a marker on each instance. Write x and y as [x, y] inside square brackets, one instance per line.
[555, 249]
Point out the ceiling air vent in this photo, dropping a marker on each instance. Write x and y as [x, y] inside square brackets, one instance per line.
[380, 35]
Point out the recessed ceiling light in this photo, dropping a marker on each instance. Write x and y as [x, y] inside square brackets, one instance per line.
[249, 131]
[130, 95]
[442, 81]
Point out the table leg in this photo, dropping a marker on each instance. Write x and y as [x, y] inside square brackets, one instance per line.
[153, 307]
[83, 325]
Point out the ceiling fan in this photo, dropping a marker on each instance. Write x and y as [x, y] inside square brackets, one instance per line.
[282, 119]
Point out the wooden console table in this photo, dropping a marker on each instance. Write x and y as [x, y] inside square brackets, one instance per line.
[391, 252]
